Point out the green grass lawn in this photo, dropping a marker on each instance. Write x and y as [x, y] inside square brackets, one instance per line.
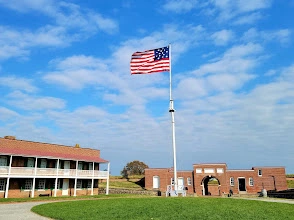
[166, 208]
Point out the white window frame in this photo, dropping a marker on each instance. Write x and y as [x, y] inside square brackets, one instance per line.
[41, 184]
[189, 181]
[3, 161]
[259, 172]
[251, 181]
[232, 181]
[28, 184]
[79, 184]
[2, 185]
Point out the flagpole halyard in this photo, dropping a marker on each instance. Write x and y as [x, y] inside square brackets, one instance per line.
[172, 111]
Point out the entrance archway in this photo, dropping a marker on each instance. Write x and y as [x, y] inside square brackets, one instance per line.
[210, 185]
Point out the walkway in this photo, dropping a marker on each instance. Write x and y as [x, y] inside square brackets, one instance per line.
[19, 211]
[268, 199]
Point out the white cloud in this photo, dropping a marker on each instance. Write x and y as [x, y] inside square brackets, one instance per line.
[17, 83]
[78, 71]
[190, 88]
[236, 60]
[69, 23]
[28, 5]
[67, 15]
[181, 5]
[231, 9]
[29, 102]
[282, 36]
[252, 5]
[248, 19]
[6, 114]
[222, 37]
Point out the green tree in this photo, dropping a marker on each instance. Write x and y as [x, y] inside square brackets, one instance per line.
[133, 168]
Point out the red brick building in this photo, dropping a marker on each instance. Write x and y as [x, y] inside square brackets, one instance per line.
[29, 169]
[217, 180]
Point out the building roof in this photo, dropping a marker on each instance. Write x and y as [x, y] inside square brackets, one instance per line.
[11, 146]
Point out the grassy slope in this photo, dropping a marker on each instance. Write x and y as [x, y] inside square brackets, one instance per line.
[166, 208]
[134, 182]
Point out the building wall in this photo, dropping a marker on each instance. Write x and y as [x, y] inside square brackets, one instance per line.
[165, 175]
[210, 171]
[272, 178]
[240, 174]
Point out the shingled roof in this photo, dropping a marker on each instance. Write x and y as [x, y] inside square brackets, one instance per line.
[12, 146]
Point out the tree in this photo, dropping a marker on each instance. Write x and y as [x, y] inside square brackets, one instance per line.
[134, 168]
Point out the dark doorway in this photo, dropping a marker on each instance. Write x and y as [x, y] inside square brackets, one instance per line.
[242, 185]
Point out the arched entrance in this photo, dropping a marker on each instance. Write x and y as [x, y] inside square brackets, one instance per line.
[210, 186]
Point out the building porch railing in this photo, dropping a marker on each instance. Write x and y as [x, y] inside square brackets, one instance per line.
[38, 172]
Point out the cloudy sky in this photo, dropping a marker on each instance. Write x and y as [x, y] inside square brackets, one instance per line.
[65, 78]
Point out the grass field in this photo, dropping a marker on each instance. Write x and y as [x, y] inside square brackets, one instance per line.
[166, 208]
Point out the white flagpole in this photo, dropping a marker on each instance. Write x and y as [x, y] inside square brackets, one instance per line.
[172, 111]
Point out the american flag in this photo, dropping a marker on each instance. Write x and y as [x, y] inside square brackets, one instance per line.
[150, 61]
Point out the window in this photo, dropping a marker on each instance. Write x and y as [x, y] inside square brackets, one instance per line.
[79, 184]
[259, 172]
[232, 182]
[3, 161]
[172, 181]
[28, 184]
[156, 182]
[89, 185]
[208, 170]
[220, 170]
[31, 162]
[41, 184]
[80, 166]
[189, 181]
[251, 183]
[59, 184]
[198, 170]
[90, 166]
[2, 184]
[43, 163]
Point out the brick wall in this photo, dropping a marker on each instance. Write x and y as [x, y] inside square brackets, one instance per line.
[272, 178]
[165, 175]
[203, 172]
[243, 174]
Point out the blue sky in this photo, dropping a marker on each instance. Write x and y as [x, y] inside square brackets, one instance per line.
[65, 79]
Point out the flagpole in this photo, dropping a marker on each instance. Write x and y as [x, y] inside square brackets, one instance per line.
[172, 111]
